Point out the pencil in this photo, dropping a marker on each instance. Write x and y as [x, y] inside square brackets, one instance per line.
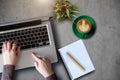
[76, 61]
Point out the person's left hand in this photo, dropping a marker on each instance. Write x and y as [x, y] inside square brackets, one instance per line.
[10, 53]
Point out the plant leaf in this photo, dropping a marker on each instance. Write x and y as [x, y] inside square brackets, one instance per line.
[68, 13]
[64, 0]
[74, 16]
[58, 16]
[75, 11]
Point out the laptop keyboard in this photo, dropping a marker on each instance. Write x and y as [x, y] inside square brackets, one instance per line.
[27, 38]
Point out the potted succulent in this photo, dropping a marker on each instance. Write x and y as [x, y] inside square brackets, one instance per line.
[64, 9]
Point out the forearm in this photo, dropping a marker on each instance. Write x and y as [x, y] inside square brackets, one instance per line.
[8, 71]
[52, 77]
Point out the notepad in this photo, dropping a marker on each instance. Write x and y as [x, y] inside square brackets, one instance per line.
[79, 52]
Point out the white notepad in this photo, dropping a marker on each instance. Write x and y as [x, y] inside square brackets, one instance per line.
[79, 52]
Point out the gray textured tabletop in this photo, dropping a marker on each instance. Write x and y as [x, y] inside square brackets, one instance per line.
[103, 47]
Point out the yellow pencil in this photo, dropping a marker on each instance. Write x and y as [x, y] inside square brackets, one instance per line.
[76, 61]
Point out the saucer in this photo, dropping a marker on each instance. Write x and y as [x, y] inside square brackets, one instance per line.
[80, 34]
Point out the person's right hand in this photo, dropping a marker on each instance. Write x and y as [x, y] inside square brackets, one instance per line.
[43, 65]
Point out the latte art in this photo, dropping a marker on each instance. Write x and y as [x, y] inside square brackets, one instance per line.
[84, 26]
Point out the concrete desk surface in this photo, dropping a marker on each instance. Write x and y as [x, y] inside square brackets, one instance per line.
[103, 47]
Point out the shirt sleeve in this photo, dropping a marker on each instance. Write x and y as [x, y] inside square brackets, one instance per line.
[52, 77]
[8, 71]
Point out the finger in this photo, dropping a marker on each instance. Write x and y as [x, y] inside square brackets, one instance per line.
[9, 45]
[36, 64]
[44, 59]
[18, 51]
[35, 57]
[3, 49]
[14, 46]
[5, 45]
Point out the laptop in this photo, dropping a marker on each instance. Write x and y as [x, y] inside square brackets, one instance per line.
[33, 35]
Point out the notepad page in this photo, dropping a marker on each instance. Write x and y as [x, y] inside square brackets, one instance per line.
[79, 52]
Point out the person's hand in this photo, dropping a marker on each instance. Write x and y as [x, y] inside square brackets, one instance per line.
[10, 53]
[43, 65]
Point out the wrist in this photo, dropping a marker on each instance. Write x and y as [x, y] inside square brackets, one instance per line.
[9, 64]
[48, 74]
[53, 76]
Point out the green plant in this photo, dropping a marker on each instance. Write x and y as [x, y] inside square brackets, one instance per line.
[63, 9]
